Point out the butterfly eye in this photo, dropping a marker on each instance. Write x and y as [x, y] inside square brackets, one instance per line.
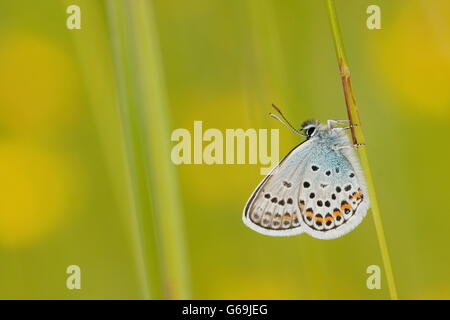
[310, 131]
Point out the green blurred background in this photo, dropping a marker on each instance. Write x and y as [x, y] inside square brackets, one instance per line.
[85, 123]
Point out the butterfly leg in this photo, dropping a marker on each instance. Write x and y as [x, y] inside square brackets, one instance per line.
[333, 124]
[354, 146]
[348, 127]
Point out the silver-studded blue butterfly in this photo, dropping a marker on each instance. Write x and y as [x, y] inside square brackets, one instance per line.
[318, 188]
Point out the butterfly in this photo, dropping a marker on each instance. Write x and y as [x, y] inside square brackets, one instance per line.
[318, 188]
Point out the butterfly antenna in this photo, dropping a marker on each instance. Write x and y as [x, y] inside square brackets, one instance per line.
[282, 115]
[287, 124]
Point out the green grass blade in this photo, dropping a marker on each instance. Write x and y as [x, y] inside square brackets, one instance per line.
[93, 50]
[146, 127]
[153, 98]
[135, 143]
[358, 137]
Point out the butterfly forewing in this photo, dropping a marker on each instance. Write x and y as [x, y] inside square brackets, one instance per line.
[273, 208]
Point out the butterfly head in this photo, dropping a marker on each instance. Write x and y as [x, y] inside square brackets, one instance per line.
[310, 128]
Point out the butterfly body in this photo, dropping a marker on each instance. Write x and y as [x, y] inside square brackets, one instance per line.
[318, 188]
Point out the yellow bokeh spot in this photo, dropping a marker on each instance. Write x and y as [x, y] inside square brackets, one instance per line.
[35, 191]
[414, 58]
[37, 82]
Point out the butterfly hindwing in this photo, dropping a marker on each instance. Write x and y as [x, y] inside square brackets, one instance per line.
[333, 194]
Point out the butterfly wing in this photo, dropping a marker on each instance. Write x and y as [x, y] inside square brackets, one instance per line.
[334, 195]
[273, 209]
[315, 189]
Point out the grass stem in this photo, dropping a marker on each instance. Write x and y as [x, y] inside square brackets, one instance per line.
[145, 122]
[358, 137]
[93, 49]
[135, 143]
[153, 98]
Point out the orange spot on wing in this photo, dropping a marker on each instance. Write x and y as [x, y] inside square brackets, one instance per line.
[346, 206]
